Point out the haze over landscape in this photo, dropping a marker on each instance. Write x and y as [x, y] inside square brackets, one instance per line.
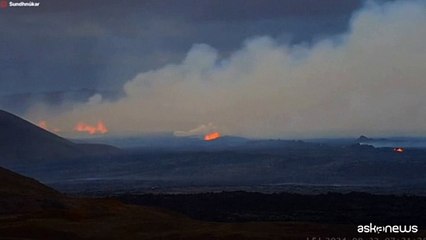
[367, 78]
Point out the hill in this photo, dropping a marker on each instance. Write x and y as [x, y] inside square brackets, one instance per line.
[30, 210]
[19, 194]
[22, 140]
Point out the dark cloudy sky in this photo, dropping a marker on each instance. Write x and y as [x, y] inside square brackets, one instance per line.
[101, 44]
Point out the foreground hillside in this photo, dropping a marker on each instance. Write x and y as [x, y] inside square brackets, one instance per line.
[30, 210]
[331, 207]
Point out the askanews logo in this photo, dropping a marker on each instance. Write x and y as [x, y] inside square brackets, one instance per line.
[5, 4]
[372, 228]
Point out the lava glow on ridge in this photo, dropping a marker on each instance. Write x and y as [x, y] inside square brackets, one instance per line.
[43, 124]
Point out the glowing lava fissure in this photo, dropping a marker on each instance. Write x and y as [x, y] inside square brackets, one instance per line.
[99, 128]
[212, 136]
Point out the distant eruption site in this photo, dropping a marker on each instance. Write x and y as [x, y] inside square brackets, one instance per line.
[100, 128]
[81, 127]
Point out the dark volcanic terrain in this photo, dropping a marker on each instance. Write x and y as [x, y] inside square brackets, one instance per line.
[331, 208]
[30, 210]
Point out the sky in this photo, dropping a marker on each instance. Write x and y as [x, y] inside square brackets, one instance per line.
[101, 44]
[284, 68]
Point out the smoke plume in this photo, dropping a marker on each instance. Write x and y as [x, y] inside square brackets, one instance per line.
[370, 80]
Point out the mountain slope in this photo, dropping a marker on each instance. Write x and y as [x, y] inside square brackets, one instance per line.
[19, 194]
[30, 210]
[14, 184]
[20, 139]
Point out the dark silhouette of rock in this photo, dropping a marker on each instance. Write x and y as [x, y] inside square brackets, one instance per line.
[363, 139]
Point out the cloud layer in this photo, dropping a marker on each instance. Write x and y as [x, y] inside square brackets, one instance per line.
[370, 80]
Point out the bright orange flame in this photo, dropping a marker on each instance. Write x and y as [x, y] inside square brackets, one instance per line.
[399, 150]
[99, 128]
[212, 136]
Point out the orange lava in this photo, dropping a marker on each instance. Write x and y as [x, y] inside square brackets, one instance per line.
[212, 136]
[99, 128]
[399, 150]
[43, 124]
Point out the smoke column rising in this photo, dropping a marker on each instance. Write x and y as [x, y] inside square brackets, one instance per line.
[370, 80]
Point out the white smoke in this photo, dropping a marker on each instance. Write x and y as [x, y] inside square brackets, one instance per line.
[370, 80]
[95, 99]
[203, 129]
